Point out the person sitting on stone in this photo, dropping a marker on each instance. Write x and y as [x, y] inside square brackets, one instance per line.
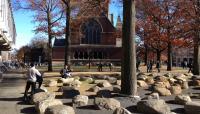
[65, 73]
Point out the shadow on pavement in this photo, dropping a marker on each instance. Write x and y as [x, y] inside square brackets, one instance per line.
[11, 99]
[29, 110]
[24, 103]
[179, 110]
[68, 104]
[171, 102]
[88, 107]
[132, 109]
[59, 97]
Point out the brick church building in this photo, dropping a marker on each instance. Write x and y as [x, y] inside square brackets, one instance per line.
[93, 39]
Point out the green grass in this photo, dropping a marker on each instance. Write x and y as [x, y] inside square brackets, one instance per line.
[57, 68]
[78, 68]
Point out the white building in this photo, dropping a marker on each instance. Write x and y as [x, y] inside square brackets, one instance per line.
[7, 30]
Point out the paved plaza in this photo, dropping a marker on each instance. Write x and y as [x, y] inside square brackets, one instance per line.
[12, 88]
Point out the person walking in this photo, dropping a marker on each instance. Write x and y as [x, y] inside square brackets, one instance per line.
[31, 81]
[151, 66]
[148, 66]
[158, 66]
[100, 67]
[185, 64]
[138, 65]
[190, 65]
[110, 66]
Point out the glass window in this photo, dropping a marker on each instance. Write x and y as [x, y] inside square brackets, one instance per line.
[91, 31]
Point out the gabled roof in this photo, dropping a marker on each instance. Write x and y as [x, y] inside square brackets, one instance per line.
[106, 24]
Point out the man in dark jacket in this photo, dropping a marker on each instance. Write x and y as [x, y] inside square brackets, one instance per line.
[158, 66]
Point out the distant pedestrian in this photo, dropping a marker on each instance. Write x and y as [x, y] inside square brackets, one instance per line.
[190, 66]
[158, 65]
[110, 66]
[100, 67]
[31, 81]
[138, 65]
[185, 64]
[149, 66]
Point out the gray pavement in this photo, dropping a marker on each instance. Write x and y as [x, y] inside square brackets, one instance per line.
[11, 92]
[13, 84]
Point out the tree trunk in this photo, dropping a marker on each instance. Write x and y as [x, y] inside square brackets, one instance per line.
[49, 43]
[196, 62]
[67, 34]
[169, 57]
[158, 53]
[129, 79]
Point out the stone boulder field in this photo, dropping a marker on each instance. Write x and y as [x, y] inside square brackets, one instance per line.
[158, 93]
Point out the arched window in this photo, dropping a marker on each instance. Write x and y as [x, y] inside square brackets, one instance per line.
[91, 31]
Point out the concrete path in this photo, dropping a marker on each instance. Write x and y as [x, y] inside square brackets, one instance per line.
[11, 92]
[12, 89]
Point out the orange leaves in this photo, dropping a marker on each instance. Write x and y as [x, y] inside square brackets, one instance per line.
[168, 21]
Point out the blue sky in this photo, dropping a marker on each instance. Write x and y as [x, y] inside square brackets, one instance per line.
[24, 25]
[24, 28]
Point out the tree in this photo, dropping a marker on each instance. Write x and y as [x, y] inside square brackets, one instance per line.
[47, 14]
[39, 42]
[67, 31]
[191, 20]
[160, 26]
[21, 53]
[191, 15]
[196, 67]
[172, 24]
[129, 79]
[149, 27]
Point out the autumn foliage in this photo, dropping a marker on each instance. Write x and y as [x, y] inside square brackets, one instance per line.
[164, 26]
